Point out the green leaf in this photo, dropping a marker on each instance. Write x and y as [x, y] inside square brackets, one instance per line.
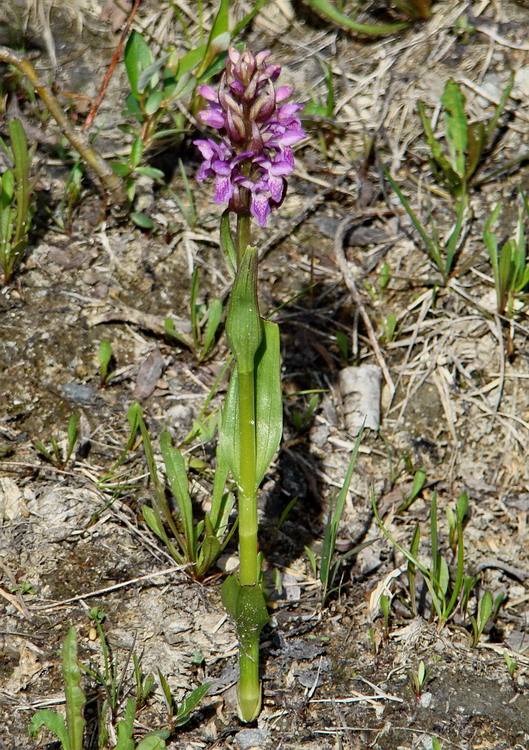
[477, 140]
[75, 698]
[268, 408]
[219, 36]
[215, 311]
[455, 235]
[312, 560]
[329, 11]
[172, 332]
[138, 58]
[256, 7]
[333, 522]
[153, 103]
[484, 610]
[418, 483]
[104, 355]
[152, 742]
[125, 727]
[449, 174]
[453, 101]
[136, 152]
[227, 244]
[245, 605]
[121, 168]
[501, 106]
[177, 477]
[152, 172]
[142, 220]
[243, 324]
[8, 186]
[150, 74]
[153, 522]
[186, 707]
[54, 722]
[431, 246]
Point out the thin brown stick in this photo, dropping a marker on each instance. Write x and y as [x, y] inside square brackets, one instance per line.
[350, 284]
[107, 589]
[108, 75]
[113, 183]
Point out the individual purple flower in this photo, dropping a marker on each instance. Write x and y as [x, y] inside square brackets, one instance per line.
[257, 131]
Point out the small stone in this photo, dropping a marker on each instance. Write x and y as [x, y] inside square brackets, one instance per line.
[425, 700]
[248, 739]
[80, 394]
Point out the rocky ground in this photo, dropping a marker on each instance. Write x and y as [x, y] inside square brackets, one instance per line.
[454, 398]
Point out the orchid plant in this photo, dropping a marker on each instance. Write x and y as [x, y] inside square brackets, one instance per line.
[257, 127]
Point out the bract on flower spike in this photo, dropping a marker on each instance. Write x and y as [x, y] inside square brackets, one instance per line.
[257, 132]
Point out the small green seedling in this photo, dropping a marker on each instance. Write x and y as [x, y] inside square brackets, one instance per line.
[389, 328]
[456, 162]
[330, 564]
[144, 683]
[180, 714]
[105, 358]
[384, 277]
[23, 588]
[196, 545]
[109, 678]
[510, 266]
[54, 455]
[16, 199]
[487, 610]
[343, 345]
[384, 608]
[302, 418]
[446, 591]
[512, 666]
[419, 480]
[419, 679]
[70, 731]
[443, 252]
[71, 194]
[205, 321]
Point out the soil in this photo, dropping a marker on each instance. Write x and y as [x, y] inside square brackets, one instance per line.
[454, 399]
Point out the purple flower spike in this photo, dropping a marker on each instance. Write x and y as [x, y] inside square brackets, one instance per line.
[254, 156]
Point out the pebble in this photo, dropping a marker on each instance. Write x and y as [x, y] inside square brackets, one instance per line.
[248, 739]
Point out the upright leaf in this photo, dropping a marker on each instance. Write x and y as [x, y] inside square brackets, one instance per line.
[75, 697]
[177, 476]
[453, 101]
[52, 721]
[138, 58]
[243, 324]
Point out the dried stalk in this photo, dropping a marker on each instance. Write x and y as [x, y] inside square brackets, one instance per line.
[112, 183]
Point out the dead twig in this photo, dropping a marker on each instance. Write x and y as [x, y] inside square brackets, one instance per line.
[112, 183]
[108, 75]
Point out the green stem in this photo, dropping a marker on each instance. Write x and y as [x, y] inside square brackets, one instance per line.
[243, 234]
[249, 687]
[248, 570]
